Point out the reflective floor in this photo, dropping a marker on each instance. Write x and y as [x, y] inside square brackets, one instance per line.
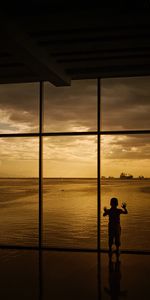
[73, 275]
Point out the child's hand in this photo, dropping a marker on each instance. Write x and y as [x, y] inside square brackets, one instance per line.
[105, 208]
[123, 205]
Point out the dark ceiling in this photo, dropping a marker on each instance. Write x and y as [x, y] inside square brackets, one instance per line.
[60, 43]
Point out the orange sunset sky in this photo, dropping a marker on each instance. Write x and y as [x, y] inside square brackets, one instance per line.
[125, 105]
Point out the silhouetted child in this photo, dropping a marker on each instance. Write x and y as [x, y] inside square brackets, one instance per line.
[114, 228]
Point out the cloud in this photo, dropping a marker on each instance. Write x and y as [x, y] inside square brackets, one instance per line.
[19, 149]
[71, 108]
[125, 103]
[19, 107]
[126, 147]
[70, 156]
[65, 108]
[19, 157]
[77, 149]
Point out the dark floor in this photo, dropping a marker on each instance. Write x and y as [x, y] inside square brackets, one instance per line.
[73, 275]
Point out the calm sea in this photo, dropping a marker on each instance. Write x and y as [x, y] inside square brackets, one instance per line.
[70, 212]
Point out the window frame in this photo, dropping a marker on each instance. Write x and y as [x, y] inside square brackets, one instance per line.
[97, 133]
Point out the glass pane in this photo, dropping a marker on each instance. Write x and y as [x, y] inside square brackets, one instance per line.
[70, 196]
[19, 276]
[19, 191]
[71, 108]
[125, 103]
[125, 278]
[125, 170]
[75, 274]
[19, 108]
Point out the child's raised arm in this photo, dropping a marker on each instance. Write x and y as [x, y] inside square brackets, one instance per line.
[106, 212]
[124, 211]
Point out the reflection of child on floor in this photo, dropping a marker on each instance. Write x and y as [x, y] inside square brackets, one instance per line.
[114, 228]
[114, 288]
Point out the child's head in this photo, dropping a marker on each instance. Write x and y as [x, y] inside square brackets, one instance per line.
[114, 202]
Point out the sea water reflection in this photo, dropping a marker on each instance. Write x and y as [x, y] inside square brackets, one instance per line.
[70, 212]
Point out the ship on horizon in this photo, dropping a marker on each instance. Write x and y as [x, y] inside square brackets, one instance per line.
[126, 176]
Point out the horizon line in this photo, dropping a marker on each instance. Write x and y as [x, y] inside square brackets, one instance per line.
[102, 178]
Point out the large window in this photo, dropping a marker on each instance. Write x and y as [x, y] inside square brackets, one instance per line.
[65, 152]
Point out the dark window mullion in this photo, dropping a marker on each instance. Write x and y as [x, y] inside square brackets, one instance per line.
[98, 165]
[41, 100]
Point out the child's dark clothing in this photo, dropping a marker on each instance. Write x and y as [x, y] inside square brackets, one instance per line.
[114, 228]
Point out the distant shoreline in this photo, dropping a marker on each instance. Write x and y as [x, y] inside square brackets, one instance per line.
[76, 178]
